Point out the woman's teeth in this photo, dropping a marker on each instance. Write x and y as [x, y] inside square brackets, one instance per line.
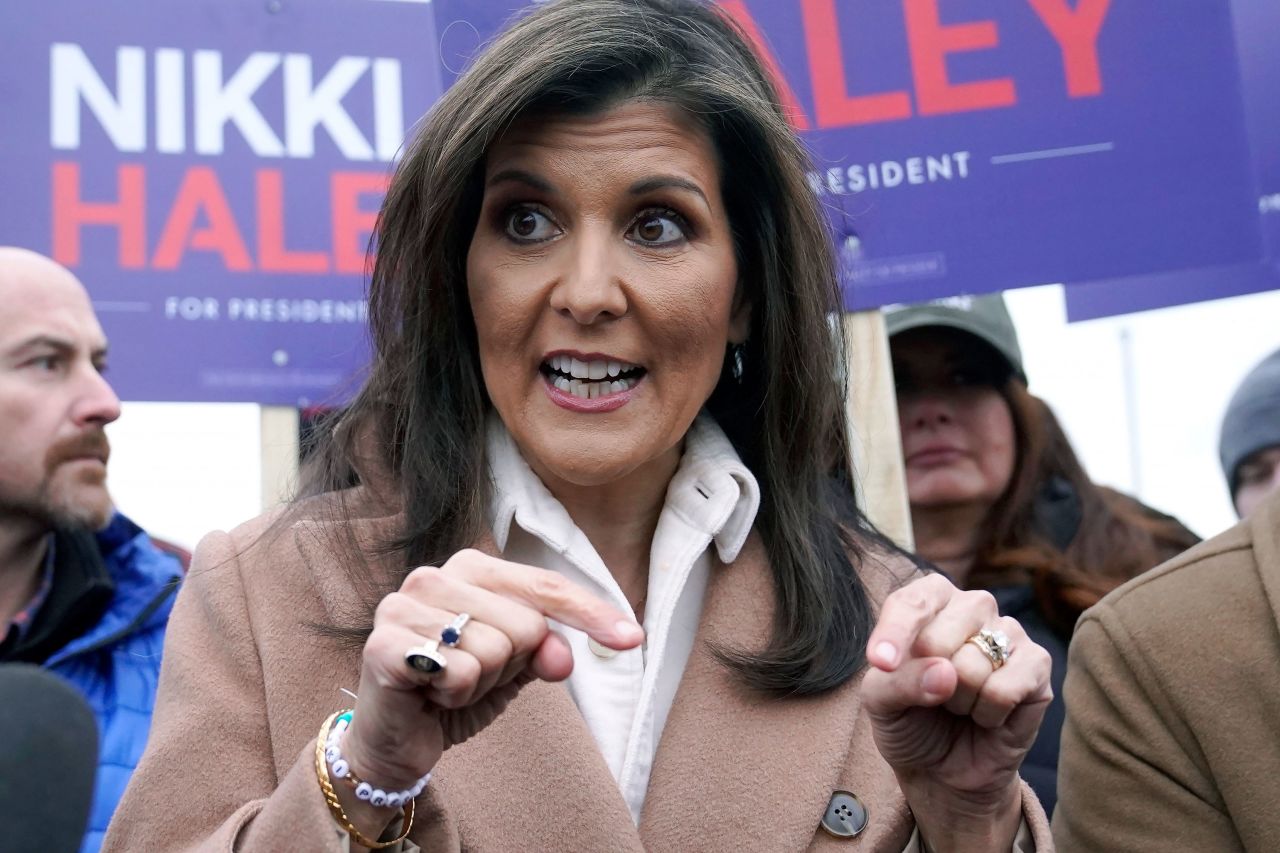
[588, 370]
[591, 390]
[591, 379]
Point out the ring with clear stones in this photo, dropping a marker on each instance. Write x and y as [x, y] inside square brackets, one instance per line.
[994, 644]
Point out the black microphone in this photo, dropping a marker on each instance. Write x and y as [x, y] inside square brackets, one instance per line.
[48, 760]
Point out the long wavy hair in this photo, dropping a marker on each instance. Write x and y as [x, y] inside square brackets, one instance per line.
[418, 422]
[1071, 539]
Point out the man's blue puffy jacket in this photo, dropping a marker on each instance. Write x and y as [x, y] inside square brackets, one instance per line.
[116, 664]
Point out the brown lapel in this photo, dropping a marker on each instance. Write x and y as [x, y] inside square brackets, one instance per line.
[535, 779]
[739, 772]
[317, 542]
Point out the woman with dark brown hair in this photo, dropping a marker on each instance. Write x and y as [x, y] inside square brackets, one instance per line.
[585, 547]
[999, 500]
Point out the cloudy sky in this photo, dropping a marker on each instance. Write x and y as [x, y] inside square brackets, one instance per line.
[1151, 430]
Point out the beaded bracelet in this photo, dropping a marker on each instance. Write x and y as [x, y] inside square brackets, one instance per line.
[371, 794]
[335, 805]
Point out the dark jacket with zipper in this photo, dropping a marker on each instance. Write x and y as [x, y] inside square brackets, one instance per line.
[1040, 767]
[1058, 515]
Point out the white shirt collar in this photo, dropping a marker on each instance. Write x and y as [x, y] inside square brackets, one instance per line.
[712, 490]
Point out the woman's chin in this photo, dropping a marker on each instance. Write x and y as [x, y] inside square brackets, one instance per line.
[593, 462]
[944, 493]
[582, 472]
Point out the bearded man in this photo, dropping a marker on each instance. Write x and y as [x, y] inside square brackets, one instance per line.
[84, 592]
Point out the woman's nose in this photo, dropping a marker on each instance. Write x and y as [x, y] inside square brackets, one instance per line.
[590, 285]
[927, 409]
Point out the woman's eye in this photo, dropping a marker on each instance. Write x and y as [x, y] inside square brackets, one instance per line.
[530, 226]
[1252, 474]
[659, 228]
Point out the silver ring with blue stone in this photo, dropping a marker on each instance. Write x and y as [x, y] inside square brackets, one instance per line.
[452, 633]
[426, 657]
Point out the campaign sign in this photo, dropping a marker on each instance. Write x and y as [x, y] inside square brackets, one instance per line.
[965, 146]
[1258, 31]
[1092, 300]
[466, 26]
[1257, 24]
[211, 170]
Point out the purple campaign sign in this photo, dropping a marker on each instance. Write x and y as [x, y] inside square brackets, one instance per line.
[465, 26]
[1257, 23]
[211, 170]
[1096, 299]
[976, 145]
[1075, 135]
[1258, 27]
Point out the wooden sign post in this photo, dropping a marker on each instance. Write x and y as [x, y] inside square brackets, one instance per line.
[873, 427]
[279, 442]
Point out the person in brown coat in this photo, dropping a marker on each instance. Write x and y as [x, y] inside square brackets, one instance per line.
[585, 548]
[1172, 737]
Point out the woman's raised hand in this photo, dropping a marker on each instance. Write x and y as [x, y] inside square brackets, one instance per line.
[953, 725]
[405, 719]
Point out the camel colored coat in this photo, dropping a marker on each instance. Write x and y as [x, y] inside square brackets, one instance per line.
[246, 684]
[1172, 738]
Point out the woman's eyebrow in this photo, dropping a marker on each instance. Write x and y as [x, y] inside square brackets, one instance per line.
[660, 182]
[520, 176]
[963, 359]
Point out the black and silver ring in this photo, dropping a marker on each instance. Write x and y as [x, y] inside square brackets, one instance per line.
[426, 657]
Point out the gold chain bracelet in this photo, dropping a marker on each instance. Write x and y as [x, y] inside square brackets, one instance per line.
[335, 806]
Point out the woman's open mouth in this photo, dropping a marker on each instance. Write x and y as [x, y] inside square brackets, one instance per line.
[590, 379]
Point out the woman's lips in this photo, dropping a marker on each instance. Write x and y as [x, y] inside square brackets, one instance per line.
[589, 382]
[931, 457]
[589, 396]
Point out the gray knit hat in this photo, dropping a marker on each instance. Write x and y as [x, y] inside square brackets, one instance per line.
[1252, 421]
[985, 317]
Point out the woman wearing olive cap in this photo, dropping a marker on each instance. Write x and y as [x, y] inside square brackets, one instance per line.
[998, 499]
